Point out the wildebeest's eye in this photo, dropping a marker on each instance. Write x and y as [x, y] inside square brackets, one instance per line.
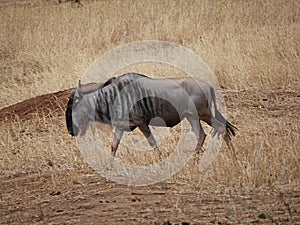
[76, 100]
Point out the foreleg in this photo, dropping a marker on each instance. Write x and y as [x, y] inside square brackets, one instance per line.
[117, 138]
[150, 138]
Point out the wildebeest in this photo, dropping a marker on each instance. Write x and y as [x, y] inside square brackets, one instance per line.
[133, 100]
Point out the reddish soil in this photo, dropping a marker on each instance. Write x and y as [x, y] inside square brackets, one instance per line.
[48, 103]
[90, 199]
[45, 104]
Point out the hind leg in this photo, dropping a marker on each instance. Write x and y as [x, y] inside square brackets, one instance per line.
[219, 128]
[198, 130]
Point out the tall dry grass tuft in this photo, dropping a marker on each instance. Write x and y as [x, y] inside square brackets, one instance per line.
[36, 146]
[252, 46]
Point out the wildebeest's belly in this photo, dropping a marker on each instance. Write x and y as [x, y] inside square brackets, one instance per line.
[158, 112]
[167, 120]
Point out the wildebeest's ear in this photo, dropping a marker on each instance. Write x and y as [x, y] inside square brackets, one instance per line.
[79, 90]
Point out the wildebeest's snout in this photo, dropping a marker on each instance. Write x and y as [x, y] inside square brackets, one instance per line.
[73, 131]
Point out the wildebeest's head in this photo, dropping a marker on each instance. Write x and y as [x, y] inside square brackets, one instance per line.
[79, 112]
[81, 107]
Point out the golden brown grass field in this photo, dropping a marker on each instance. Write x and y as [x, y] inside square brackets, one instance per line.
[253, 47]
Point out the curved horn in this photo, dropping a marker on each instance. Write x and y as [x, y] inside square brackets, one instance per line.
[79, 89]
[79, 85]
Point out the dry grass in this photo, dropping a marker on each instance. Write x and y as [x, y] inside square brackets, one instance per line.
[250, 45]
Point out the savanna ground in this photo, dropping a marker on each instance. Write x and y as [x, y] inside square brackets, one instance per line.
[253, 49]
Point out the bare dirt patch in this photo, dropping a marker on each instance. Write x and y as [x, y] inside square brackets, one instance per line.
[44, 104]
[90, 199]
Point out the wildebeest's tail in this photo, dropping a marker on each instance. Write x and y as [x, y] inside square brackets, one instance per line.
[229, 127]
